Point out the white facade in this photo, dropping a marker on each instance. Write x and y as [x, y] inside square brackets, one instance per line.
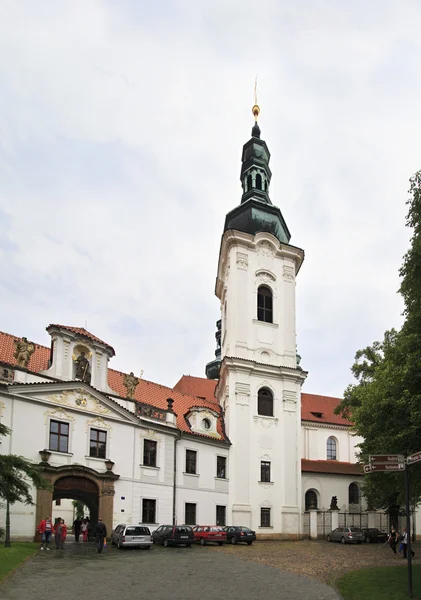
[261, 355]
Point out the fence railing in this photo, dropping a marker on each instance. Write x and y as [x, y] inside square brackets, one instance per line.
[380, 520]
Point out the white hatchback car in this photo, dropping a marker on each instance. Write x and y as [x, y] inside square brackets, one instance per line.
[131, 535]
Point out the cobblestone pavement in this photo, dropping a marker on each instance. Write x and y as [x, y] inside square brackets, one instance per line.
[319, 559]
[156, 574]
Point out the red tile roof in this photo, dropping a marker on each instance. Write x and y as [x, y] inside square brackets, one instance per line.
[157, 395]
[313, 405]
[331, 467]
[38, 361]
[83, 333]
[197, 386]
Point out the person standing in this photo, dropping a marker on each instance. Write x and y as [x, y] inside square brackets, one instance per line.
[405, 544]
[45, 528]
[393, 538]
[84, 529]
[60, 531]
[100, 533]
[77, 524]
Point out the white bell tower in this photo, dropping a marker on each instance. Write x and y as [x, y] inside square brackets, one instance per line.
[259, 378]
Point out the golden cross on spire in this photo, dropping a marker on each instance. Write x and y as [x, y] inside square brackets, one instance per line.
[255, 110]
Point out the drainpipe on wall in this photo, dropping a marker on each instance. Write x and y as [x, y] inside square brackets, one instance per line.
[172, 418]
[174, 494]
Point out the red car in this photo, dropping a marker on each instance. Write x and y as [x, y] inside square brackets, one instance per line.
[209, 533]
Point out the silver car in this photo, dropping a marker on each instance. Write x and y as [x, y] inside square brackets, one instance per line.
[131, 535]
[346, 535]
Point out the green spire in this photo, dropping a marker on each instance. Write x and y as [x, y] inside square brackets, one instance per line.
[256, 211]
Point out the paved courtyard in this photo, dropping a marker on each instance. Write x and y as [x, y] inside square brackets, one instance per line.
[158, 574]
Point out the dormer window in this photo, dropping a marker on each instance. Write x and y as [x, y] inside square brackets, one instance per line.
[318, 415]
[204, 421]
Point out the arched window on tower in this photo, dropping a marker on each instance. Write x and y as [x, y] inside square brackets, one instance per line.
[249, 183]
[353, 494]
[258, 181]
[265, 403]
[331, 449]
[311, 499]
[264, 304]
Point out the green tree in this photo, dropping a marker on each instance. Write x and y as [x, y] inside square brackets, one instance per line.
[385, 403]
[17, 474]
[79, 508]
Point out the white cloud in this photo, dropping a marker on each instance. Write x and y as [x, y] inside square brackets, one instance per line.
[120, 141]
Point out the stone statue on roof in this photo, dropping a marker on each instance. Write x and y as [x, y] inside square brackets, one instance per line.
[82, 368]
[24, 351]
[130, 382]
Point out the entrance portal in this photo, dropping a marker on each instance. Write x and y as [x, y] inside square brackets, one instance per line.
[79, 488]
[77, 482]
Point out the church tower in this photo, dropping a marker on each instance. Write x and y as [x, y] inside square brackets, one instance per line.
[256, 362]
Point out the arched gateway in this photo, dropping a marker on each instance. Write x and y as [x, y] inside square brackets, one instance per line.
[93, 488]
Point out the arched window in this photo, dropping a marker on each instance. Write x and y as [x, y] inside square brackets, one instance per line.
[311, 499]
[265, 403]
[258, 181]
[249, 183]
[331, 449]
[354, 494]
[264, 304]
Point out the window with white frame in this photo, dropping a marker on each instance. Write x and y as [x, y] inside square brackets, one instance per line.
[331, 453]
[59, 436]
[265, 517]
[97, 443]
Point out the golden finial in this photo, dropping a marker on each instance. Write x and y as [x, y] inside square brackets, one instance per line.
[256, 109]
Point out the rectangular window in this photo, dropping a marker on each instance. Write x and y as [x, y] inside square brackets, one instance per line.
[59, 436]
[58, 502]
[148, 511]
[265, 471]
[149, 453]
[190, 514]
[265, 517]
[221, 512]
[191, 460]
[221, 467]
[98, 443]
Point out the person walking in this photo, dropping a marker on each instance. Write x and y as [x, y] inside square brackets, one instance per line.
[405, 544]
[393, 538]
[60, 533]
[84, 529]
[77, 524]
[45, 528]
[100, 533]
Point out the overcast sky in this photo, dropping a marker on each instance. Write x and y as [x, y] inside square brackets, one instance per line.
[121, 129]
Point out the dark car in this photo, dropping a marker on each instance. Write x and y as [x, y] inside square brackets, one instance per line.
[374, 535]
[237, 534]
[173, 535]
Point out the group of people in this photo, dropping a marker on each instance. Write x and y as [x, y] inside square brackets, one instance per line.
[395, 537]
[46, 528]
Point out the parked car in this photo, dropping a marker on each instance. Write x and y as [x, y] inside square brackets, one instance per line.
[372, 534]
[209, 533]
[346, 535]
[237, 534]
[173, 535]
[131, 535]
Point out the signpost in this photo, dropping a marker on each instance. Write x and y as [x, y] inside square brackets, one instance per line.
[388, 463]
[388, 467]
[414, 458]
[386, 458]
